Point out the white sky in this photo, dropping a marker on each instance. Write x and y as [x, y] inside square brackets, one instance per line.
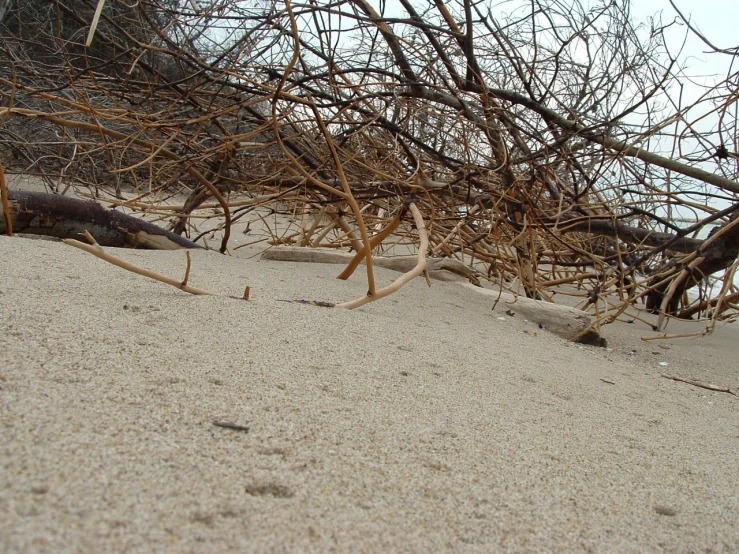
[717, 20]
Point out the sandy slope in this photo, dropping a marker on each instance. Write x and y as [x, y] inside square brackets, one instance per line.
[423, 423]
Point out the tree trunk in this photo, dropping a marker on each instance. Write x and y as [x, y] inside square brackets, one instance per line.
[717, 253]
[64, 217]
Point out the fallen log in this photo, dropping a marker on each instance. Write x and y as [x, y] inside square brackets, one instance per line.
[64, 217]
[564, 321]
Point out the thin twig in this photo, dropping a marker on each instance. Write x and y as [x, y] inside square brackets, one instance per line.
[187, 271]
[713, 388]
[229, 425]
[665, 336]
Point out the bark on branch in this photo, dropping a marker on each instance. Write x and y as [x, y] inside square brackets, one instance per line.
[64, 217]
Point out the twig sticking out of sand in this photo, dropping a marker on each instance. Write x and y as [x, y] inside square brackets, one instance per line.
[6, 208]
[96, 250]
[713, 388]
[403, 279]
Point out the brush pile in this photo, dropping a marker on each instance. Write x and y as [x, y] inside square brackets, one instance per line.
[542, 146]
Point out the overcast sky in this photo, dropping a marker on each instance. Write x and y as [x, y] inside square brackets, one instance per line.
[716, 19]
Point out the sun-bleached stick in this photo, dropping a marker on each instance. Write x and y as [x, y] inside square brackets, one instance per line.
[96, 250]
[403, 279]
[94, 24]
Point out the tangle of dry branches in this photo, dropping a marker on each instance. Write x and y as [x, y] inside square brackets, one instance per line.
[542, 146]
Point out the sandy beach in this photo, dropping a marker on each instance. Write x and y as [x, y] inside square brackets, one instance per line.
[138, 418]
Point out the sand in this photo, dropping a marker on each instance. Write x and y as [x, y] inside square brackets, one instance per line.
[422, 423]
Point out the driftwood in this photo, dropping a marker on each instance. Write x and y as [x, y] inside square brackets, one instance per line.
[566, 322]
[443, 269]
[65, 217]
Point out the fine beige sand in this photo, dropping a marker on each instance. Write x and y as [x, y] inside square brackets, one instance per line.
[422, 423]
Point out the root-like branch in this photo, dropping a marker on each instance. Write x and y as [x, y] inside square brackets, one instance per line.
[403, 279]
[96, 250]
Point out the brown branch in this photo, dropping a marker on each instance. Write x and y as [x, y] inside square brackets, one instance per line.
[701, 306]
[375, 241]
[96, 250]
[403, 279]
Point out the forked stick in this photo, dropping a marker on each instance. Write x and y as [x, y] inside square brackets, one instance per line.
[374, 242]
[403, 279]
[96, 250]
